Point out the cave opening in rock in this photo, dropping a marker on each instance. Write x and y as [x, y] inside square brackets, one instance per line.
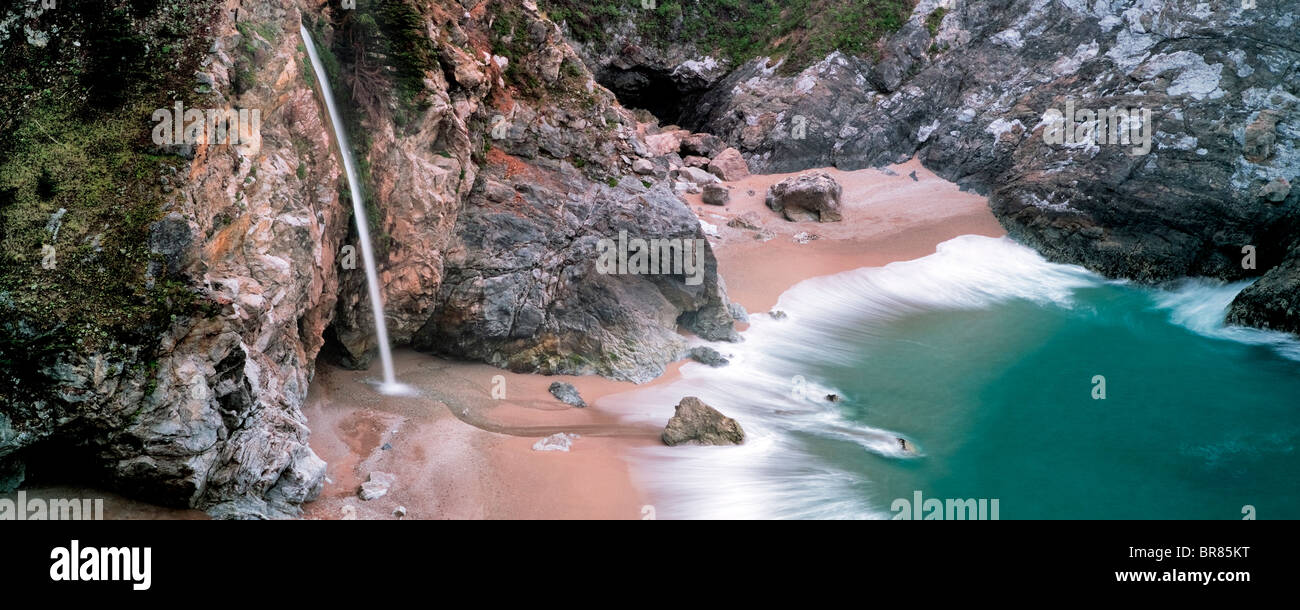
[652, 90]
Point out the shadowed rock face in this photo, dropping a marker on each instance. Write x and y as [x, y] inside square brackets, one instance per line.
[1219, 81]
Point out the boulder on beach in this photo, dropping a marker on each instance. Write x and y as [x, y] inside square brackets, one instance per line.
[567, 394]
[716, 194]
[729, 165]
[811, 196]
[696, 423]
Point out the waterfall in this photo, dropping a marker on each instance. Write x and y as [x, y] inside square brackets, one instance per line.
[390, 384]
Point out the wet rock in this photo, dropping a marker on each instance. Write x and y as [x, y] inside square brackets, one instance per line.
[811, 196]
[707, 355]
[696, 423]
[567, 394]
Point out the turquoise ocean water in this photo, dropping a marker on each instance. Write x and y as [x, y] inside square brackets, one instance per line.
[986, 358]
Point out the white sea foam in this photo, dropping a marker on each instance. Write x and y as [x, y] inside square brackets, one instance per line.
[771, 388]
[1201, 305]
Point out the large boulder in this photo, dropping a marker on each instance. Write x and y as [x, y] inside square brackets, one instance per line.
[696, 423]
[729, 165]
[812, 196]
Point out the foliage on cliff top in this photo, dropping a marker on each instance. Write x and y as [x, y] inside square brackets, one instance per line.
[79, 89]
[801, 31]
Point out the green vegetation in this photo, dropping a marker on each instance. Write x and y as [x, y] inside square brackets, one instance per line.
[801, 31]
[76, 136]
[386, 50]
[933, 20]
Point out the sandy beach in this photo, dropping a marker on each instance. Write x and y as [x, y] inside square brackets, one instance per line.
[459, 453]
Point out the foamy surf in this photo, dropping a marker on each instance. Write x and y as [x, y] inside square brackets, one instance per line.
[775, 387]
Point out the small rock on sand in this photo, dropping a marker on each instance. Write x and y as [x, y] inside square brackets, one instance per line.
[567, 394]
[377, 485]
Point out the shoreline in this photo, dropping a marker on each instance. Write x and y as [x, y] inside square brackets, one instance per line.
[459, 453]
[476, 460]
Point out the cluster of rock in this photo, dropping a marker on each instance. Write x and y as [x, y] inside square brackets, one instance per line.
[694, 162]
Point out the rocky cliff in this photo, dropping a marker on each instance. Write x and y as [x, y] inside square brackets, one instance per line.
[166, 345]
[965, 86]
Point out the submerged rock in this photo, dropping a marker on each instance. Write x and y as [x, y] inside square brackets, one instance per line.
[696, 423]
[567, 394]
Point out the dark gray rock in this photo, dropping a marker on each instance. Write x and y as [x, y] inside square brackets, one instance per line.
[707, 355]
[567, 394]
[716, 194]
[696, 423]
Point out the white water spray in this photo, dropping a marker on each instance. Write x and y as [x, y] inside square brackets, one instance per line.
[390, 384]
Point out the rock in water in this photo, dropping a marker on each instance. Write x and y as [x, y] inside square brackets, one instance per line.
[811, 196]
[377, 485]
[555, 442]
[567, 394]
[716, 194]
[696, 423]
[729, 165]
[707, 355]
